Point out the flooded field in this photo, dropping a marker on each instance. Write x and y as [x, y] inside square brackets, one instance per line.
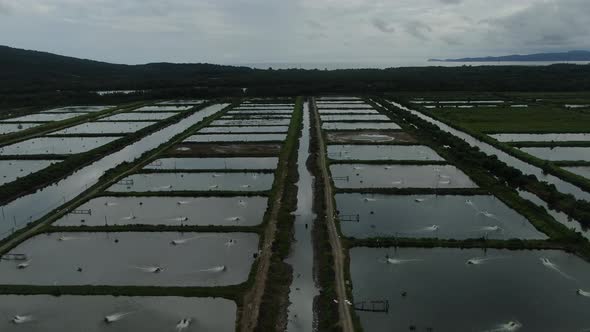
[131, 258]
[11, 170]
[207, 181]
[359, 125]
[139, 116]
[257, 122]
[7, 128]
[78, 109]
[171, 211]
[104, 128]
[382, 152]
[214, 163]
[470, 290]
[237, 138]
[368, 136]
[541, 137]
[45, 117]
[428, 216]
[399, 176]
[355, 117]
[44, 313]
[55, 145]
[560, 153]
[239, 130]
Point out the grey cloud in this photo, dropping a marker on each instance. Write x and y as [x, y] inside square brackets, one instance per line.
[418, 29]
[382, 26]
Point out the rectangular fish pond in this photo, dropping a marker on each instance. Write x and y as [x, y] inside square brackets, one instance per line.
[359, 125]
[237, 138]
[262, 163]
[7, 128]
[382, 152]
[257, 122]
[78, 109]
[55, 145]
[207, 181]
[355, 117]
[45, 117]
[269, 112]
[399, 176]
[429, 216]
[579, 170]
[560, 153]
[470, 290]
[167, 108]
[11, 170]
[242, 130]
[581, 137]
[167, 210]
[133, 259]
[104, 128]
[139, 116]
[336, 111]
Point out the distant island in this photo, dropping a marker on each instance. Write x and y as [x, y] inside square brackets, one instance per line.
[550, 57]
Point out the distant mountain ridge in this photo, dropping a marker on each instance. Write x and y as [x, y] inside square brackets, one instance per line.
[549, 57]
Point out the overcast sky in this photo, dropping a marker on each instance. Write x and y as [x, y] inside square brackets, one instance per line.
[294, 31]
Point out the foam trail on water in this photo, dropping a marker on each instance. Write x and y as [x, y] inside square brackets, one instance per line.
[432, 228]
[150, 269]
[230, 243]
[116, 317]
[111, 204]
[21, 319]
[395, 261]
[369, 199]
[217, 175]
[214, 186]
[215, 269]
[549, 264]
[70, 238]
[245, 186]
[24, 265]
[183, 324]
[183, 202]
[480, 260]
[182, 241]
[358, 168]
[179, 219]
[507, 327]
[397, 182]
[236, 219]
[130, 217]
[583, 293]
[242, 203]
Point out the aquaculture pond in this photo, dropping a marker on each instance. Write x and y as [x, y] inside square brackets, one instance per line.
[560, 153]
[257, 122]
[183, 102]
[238, 130]
[579, 170]
[139, 116]
[237, 138]
[399, 176]
[167, 210]
[359, 125]
[541, 137]
[427, 216]
[369, 136]
[44, 117]
[355, 117]
[11, 170]
[382, 152]
[45, 313]
[78, 109]
[346, 102]
[345, 106]
[133, 259]
[104, 128]
[269, 112]
[167, 108]
[215, 163]
[255, 116]
[7, 128]
[55, 145]
[470, 289]
[206, 181]
[347, 111]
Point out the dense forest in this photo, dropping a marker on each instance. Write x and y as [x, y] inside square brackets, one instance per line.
[30, 77]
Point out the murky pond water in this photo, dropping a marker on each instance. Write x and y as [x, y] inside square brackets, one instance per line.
[580, 170]
[78, 109]
[11, 170]
[344, 106]
[347, 111]
[183, 102]
[201, 211]
[236, 111]
[399, 176]
[45, 117]
[44, 313]
[257, 122]
[55, 145]
[438, 289]
[138, 116]
[382, 152]
[238, 130]
[427, 216]
[541, 137]
[560, 153]
[255, 116]
[104, 128]
[131, 258]
[237, 138]
[7, 128]
[215, 163]
[355, 117]
[206, 181]
[166, 108]
[359, 125]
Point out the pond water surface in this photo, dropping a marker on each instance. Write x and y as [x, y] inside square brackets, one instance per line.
[7, 128]
[139, 116]
[359, 125]
[541, 137]
[11, 170]
[560, 153]
[355, 117]
[237, 138]
[215, 163]
[55, 145]
[104, 128]
[382, 152]
[238, 130]
[44, 117]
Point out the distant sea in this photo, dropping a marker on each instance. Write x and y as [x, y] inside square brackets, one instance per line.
[400, 63]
